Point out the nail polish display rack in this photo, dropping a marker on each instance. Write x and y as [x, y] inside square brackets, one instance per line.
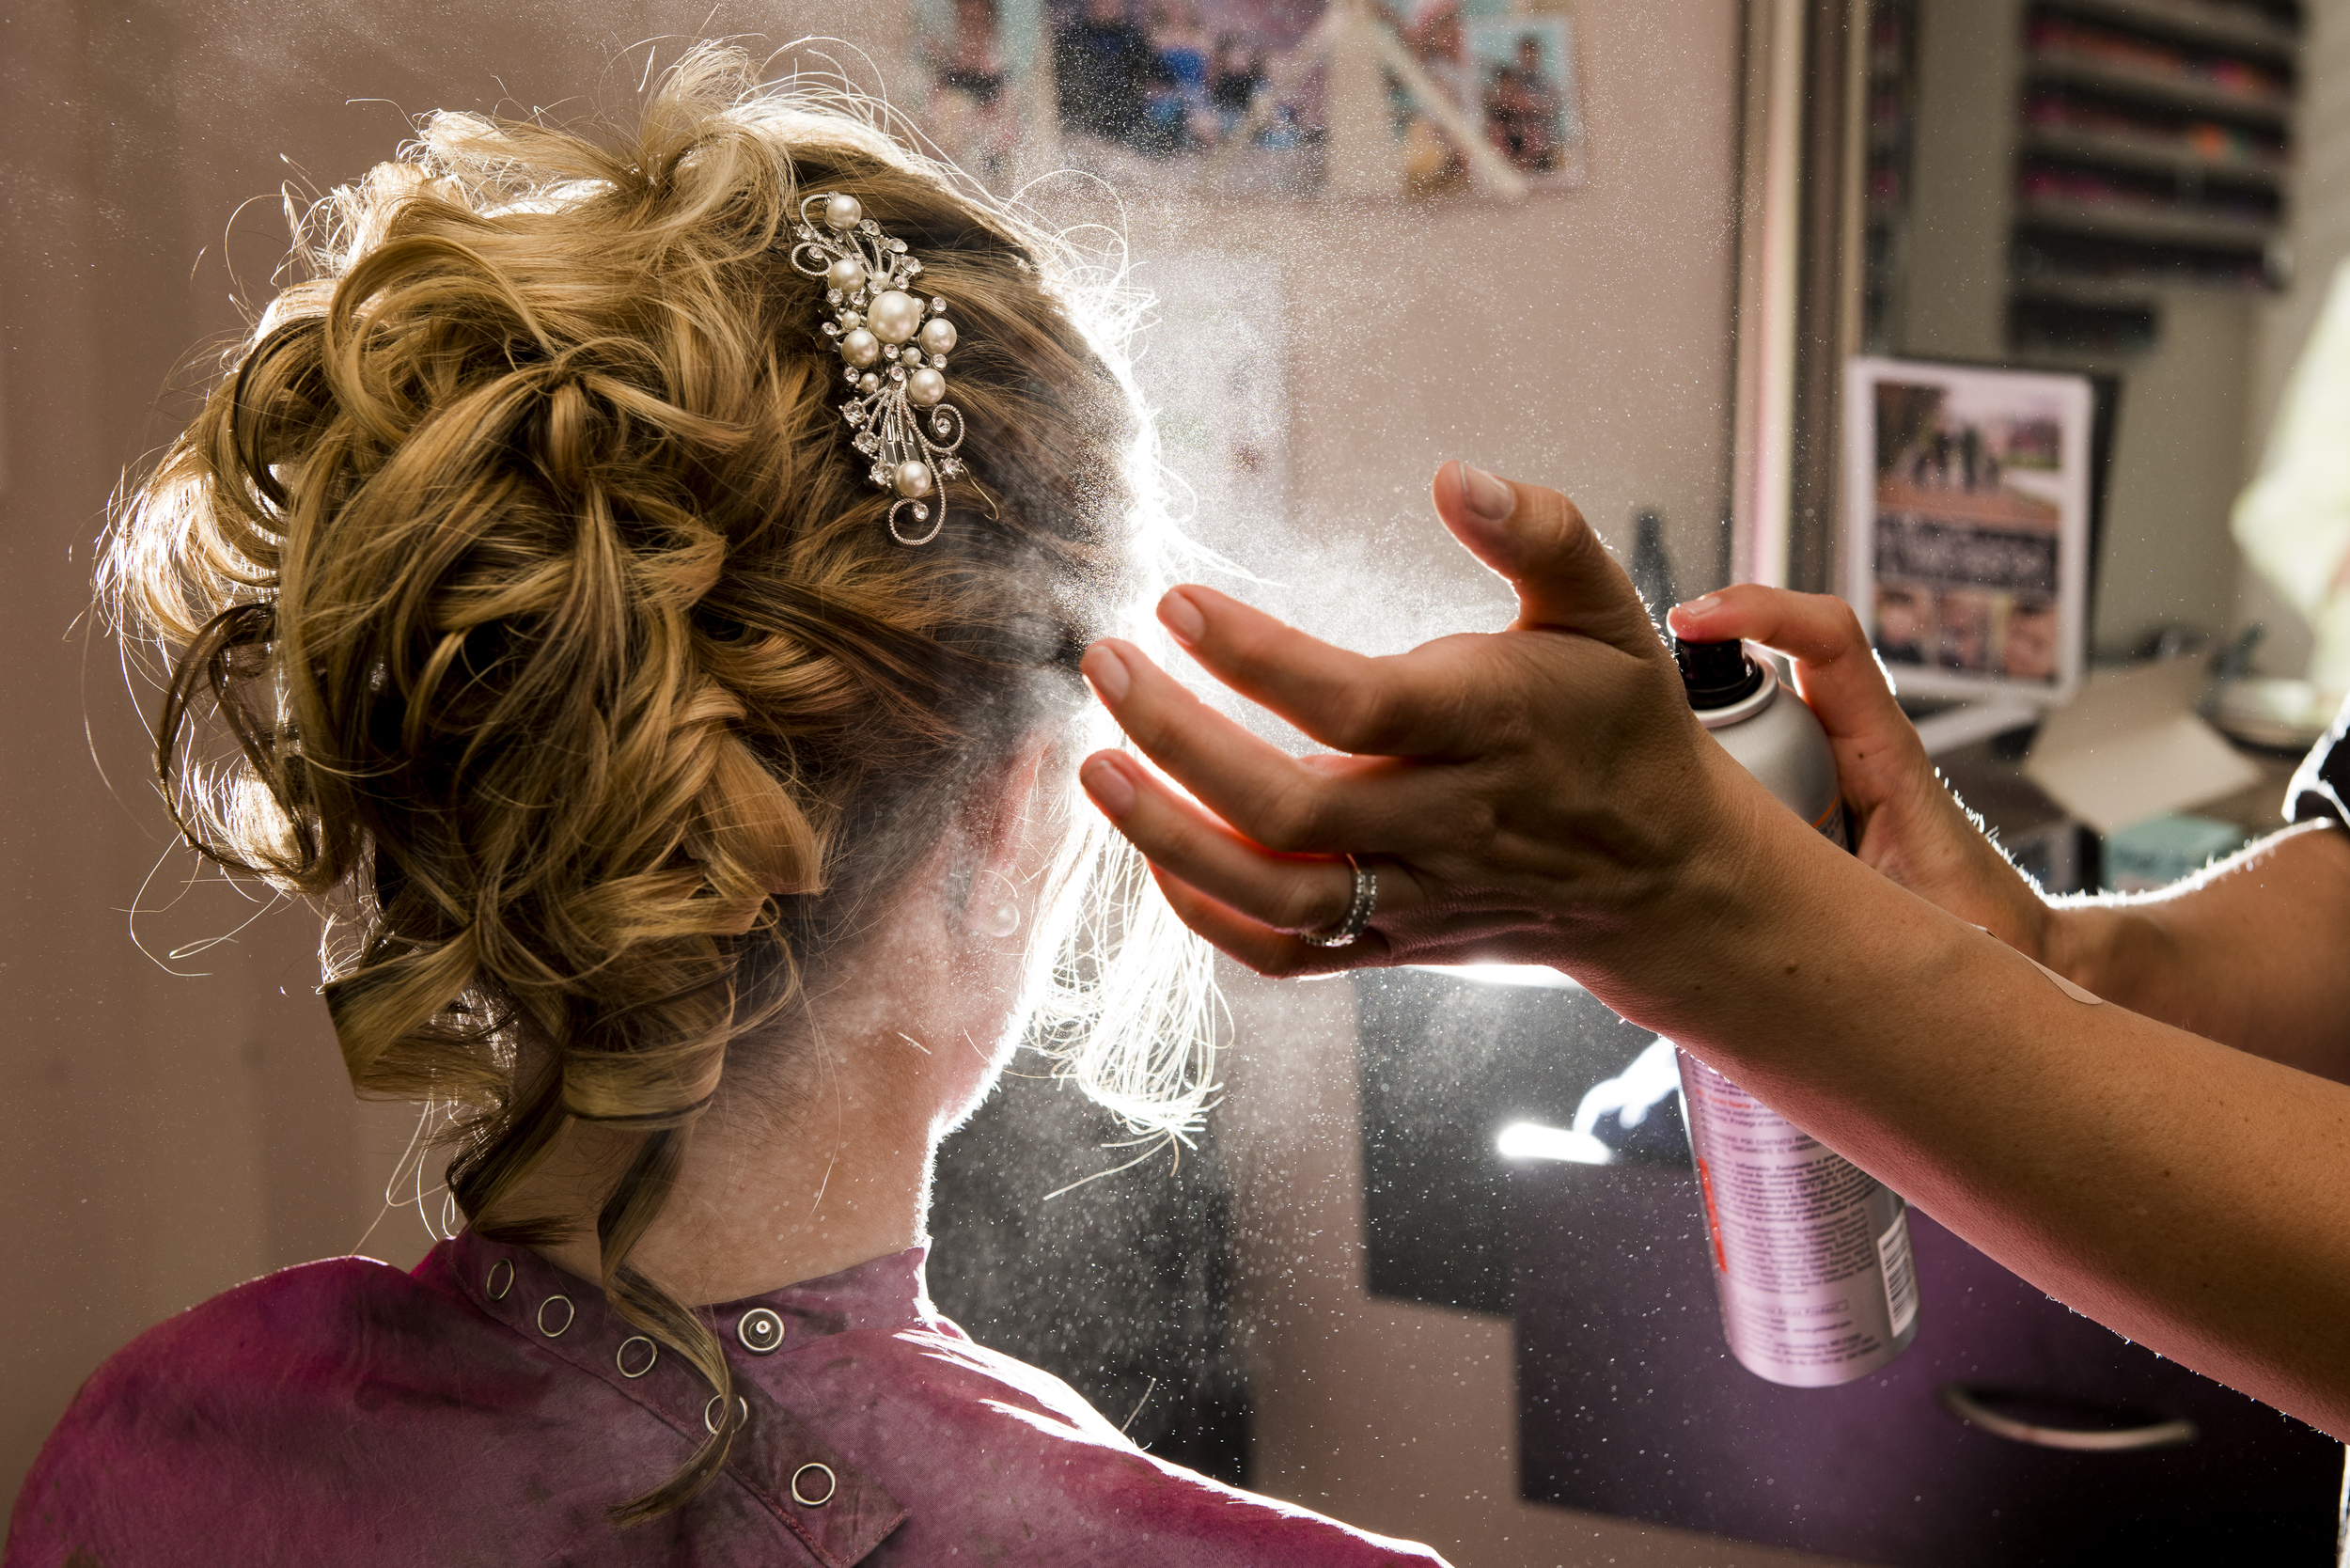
[2153, 150]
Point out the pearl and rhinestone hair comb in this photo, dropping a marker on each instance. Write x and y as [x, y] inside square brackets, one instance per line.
[895, 350]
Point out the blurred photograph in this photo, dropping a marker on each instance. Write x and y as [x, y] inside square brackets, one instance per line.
[1234, 95]
[1146, 90]
[974, 109]
[1966, 537]
[1486, 76]
[1524, 95]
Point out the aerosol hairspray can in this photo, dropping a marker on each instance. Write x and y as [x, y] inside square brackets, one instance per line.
[1811, 1252]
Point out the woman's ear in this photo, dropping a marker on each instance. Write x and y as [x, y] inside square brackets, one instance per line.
[1001, 829]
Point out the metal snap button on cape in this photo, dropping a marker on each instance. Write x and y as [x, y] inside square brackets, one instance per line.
[761, 1331]
[808, 1479]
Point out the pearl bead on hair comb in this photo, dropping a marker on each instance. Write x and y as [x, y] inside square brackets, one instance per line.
[895, 352]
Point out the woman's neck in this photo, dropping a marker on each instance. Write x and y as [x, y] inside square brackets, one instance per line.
[816, 1154]
[771, 1191]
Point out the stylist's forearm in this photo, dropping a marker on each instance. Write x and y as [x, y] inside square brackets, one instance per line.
[2104, 1156]
[2247, 955]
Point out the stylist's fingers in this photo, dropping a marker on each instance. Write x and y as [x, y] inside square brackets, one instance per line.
[1273, 954]
[1818, 630]
[1280, 892]
[1911, 827]
[1406, 706]
[1877, 750]
[1535, 538]
[1258, 789]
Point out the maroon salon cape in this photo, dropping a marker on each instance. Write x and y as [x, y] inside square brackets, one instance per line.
[489, 1408]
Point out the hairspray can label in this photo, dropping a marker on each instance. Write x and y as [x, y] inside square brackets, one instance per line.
[1811, 1252]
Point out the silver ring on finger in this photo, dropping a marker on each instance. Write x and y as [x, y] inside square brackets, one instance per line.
[1359, 910]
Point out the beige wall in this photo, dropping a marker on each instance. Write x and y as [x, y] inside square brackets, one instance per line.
[168, 1137]
[1580, 339]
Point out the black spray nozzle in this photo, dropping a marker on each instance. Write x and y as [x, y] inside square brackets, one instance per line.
[1716, 674]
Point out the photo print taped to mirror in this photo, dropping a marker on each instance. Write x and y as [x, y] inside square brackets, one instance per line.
[1254, 97]
[1966, 525]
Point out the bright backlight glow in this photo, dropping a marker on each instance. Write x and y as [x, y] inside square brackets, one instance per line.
[1504, 974]
[1531, 1141]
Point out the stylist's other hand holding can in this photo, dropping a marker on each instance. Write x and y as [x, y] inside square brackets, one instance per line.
[1905, 823]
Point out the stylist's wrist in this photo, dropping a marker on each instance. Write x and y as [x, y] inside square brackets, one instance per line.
[1715, 911]
[2104, 948]
[1931, 845]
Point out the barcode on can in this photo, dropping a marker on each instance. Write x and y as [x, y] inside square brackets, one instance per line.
[1900, 1274]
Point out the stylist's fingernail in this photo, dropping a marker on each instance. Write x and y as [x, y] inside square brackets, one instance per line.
[1699, 607]
[1487, 496]
[1181, 618]
[1111, 789]
[1107, 671]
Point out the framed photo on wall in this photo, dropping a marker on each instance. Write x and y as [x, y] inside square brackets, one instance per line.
[1234, 95]
[1524, 97]
[977, 63]
[1966, 525]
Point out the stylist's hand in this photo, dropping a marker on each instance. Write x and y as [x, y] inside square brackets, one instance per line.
[1905, 823]
[1537, 796]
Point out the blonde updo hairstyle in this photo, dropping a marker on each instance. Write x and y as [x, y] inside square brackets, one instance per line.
[566, 655]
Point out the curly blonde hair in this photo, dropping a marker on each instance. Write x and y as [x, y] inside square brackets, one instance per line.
[565, 653]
